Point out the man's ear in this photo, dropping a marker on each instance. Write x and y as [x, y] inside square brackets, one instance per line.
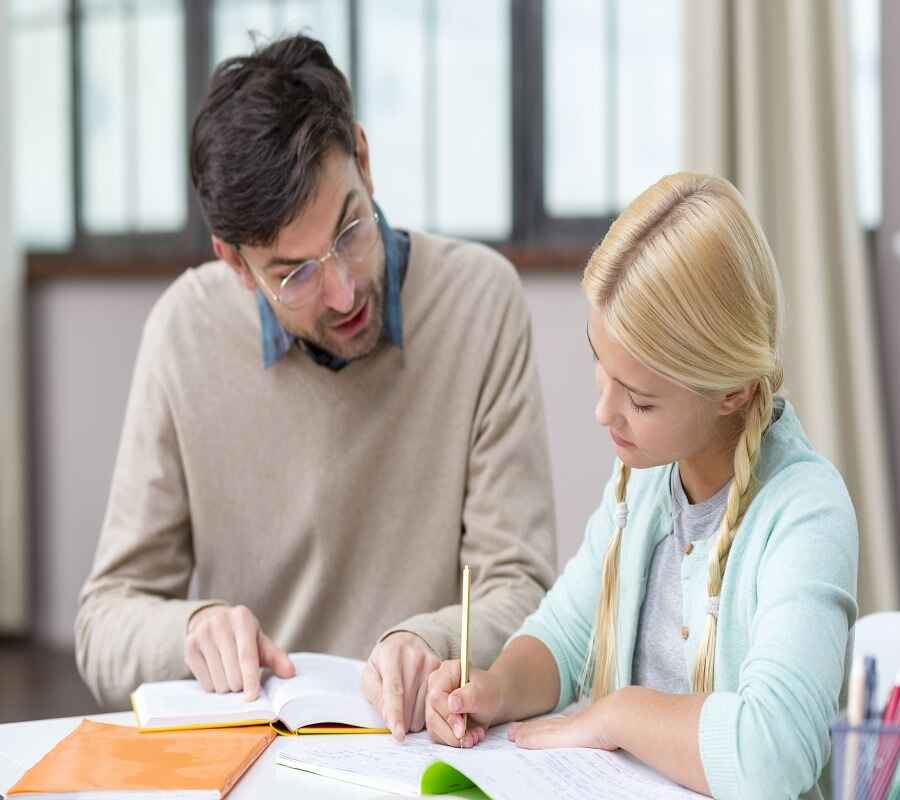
[738, 399]
[362, 157]
[229, 254]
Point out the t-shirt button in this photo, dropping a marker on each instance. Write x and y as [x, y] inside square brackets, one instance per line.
[689, 548]
[684, 632]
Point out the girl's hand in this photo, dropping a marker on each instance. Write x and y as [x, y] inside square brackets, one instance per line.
[590, 727]
[447, 702]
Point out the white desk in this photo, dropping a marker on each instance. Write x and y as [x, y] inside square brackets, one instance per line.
[22, 744]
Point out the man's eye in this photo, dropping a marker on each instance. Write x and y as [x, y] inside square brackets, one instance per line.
[302, 273]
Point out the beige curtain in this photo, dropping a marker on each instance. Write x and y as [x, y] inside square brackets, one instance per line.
[767, 105]
[13, 553]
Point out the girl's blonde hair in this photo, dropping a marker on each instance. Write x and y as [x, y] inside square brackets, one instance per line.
[685, 281]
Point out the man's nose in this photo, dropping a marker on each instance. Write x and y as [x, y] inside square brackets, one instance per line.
[338, 286]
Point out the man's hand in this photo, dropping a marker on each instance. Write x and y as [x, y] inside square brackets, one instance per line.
[395, 681]
[225, 649]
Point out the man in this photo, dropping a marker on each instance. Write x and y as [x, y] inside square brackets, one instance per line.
[325, 498]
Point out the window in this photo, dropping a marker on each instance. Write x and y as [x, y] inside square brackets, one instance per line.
[501, 120]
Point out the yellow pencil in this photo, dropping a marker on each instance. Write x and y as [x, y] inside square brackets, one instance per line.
[464, 639]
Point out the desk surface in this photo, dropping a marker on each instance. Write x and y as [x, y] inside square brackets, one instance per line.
[22, 744]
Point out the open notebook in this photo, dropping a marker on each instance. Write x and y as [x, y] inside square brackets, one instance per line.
[323, 697]
[496, 768]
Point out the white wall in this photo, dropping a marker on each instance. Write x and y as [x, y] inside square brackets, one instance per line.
[83, 340]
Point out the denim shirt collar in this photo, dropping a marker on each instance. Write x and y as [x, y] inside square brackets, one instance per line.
[276, 341]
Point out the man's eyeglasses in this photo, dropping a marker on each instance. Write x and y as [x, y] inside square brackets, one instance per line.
[350, 248]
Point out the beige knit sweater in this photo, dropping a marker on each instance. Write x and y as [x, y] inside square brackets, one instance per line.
[337, 506]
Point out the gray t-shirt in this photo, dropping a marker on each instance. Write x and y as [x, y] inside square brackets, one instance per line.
[659, 656]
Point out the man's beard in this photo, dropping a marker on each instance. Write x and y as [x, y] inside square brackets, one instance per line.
[367, 340]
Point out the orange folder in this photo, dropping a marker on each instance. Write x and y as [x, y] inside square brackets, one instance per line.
[97, 757]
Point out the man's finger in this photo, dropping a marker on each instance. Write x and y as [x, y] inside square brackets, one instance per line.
[247, 642]
[392, 699]
[418, 716]
[214, 665]
[223, 636]
[271, 655]
[414, 677]
[197, 665]
[371, 685]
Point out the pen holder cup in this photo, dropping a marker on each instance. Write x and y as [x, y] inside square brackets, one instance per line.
[864, 761]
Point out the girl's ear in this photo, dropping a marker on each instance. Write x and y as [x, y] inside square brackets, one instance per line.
[738, 399]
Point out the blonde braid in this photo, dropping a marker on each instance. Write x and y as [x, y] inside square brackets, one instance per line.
[603, 642]
[746, 455]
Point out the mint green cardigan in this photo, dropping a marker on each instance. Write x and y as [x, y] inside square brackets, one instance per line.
[787, 606]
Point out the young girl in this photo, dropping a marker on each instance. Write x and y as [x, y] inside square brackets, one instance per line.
[707, 613]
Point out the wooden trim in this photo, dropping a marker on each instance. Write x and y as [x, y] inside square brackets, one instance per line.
[47, 267]
[546, 258]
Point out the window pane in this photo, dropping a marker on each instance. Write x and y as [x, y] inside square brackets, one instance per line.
[391, 102]
[104, 123]
[577, 113]
[471, 134]
[649, 137]
[604, 142]
[41, 125]
[21, 10]
[236, 22]
[865, 90]
[133, 120]
[161, 126]
[434, 99]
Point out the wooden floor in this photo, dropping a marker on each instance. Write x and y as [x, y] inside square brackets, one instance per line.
[37, 682]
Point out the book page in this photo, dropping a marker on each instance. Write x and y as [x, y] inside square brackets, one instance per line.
[172, 704]
[497, 766]
[325, 689]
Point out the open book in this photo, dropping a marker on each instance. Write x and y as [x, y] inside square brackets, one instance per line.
[323, 697]
[496, 769]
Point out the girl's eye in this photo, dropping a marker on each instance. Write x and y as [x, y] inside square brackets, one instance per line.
[639, 409]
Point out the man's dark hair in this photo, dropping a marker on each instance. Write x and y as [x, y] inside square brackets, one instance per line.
[259, 137]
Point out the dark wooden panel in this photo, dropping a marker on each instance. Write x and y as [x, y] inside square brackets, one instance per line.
[37, 682]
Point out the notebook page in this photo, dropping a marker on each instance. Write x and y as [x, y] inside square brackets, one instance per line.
[503, 770]
[379, 762]
[565, 774]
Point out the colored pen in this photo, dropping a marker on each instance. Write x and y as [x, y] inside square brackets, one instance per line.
[871, 667]
[888, 746]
